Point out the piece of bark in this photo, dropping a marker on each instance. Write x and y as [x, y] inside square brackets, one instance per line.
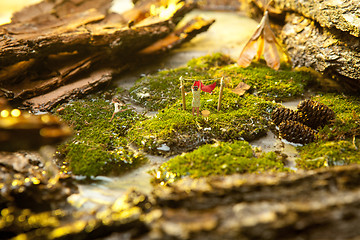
[59, 48]
[60, 94]
[58, 9]
[339, 14]
[184, 34]
[321, 204]
[57, 70]
[323, 35]
[82, 87]
[52, 32]
[329, 51]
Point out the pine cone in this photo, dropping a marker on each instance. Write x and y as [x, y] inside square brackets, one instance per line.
[282, 114]
[296, 132]
[315, 114]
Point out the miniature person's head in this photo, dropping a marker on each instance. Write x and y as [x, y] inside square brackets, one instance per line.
[196, 88]
[118, 101]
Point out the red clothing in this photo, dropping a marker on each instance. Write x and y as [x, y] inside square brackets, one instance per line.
[205, 88]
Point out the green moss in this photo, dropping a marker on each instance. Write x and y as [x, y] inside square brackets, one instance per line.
[162, 89]
[337, 145]
[99, 147]
[220, 158]
[210, 61]
[327, 153]
[347, 122]
[242, 118]
[265, 82]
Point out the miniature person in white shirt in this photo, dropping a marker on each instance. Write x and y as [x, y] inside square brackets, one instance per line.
[117, 103]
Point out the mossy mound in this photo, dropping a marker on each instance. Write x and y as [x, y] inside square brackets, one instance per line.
[220, 158]
[337, 141]
[210, 61]
[160, 90]
[242, 118]
[347, 110]
[327, 154]
[99, 147]
[265, 82]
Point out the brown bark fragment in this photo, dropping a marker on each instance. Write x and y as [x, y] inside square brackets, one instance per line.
[321, 204]
[82, 87]
[327, 51]
[55, 45]
[340, 14]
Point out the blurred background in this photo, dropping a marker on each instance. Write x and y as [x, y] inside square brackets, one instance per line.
[7, 7]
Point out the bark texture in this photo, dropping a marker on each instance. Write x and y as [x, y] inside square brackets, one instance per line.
[343, 15]
[323, 35]
[326, 50]
[321, 204]
[58, 43]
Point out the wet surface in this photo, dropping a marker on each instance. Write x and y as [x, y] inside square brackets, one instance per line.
[104, 191]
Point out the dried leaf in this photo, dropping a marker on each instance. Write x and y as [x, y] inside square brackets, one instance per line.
[241, 88]
[271, 54]
[263, 41]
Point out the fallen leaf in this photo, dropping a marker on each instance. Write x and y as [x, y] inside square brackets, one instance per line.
[241, 88]
[263, 41]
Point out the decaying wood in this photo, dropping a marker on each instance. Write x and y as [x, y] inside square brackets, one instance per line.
[322, 204]
[56, 43]
[325, 50]
[339, 14]
[79, 88]
[323, 35]
[179, 36]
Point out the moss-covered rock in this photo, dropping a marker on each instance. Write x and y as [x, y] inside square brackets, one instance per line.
[347, 110]
[99, 147]
[159, 90]
[162, 89]
[265, 82]
[327, 154]
[210, 61]
[337, 141]
[241, 118]
[220, 158]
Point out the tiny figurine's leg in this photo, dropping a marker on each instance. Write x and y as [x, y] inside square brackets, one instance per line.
[197, 111]
[193, 111]
[112, 117]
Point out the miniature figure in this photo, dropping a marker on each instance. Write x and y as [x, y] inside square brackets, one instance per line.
[117, 103]
[196, 100]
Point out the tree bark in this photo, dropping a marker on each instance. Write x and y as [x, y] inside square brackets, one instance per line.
[56, 43]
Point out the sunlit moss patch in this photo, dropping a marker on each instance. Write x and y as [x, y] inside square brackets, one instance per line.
[210, 61]
[159, 90]
[327, 154]
[347, 122]
[265, 82]
[338, 144]
[174, 130]
[99, 146]
[220, 158]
